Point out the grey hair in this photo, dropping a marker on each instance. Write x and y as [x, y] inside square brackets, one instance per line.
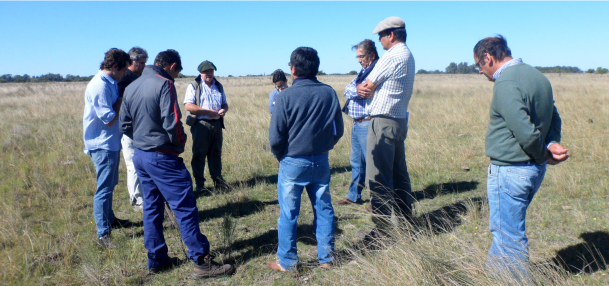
[367, 46]
[136, 53]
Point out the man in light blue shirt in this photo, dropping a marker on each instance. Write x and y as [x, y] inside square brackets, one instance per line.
[103, 139]
[281, 83]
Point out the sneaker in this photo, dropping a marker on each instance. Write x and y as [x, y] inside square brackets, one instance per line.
[105, 241]
[276, 266]
[138, 208]
[173, 261]
[117, 223]
[209, 268]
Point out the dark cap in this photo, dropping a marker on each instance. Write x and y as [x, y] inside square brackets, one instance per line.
[206, 65]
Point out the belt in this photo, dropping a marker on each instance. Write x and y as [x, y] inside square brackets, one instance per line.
[361, 120]
[209, 120]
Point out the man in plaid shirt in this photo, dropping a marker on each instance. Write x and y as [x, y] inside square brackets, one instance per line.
[367, 56]
[389, 88]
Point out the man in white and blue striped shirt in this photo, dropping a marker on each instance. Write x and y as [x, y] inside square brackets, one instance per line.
[389, 87]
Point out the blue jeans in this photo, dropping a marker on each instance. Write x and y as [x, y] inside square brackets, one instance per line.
[106, 168]
[296, 173]
[359, 135]
[510, 191]
[164, 177]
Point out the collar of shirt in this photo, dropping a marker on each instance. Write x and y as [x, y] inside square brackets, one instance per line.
[300, 78]
[106, 76]
[395, 47]
[158, 70]
[512, 62]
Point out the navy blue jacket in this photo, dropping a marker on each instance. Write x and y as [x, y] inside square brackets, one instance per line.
[306, 120]
[150, 114]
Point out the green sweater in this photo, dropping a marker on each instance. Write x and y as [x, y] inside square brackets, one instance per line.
[523, 119]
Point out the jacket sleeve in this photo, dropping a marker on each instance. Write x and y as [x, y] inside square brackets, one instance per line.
[338, 121]
[555, 128]
[171, 115]
[126, 120]
[514, 111]
[278, 130]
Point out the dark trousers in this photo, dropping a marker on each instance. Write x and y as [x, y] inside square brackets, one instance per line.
[386, 173]
[164, 177]
[206, 143]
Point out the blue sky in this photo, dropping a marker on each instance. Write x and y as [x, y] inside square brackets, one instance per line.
[257, 37]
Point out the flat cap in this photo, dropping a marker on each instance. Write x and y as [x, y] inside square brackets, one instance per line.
[206, 65]
[389, 23]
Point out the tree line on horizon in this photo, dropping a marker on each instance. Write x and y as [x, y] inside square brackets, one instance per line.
[464, 68]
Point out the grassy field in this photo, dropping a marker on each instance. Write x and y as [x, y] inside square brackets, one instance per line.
[47, 233]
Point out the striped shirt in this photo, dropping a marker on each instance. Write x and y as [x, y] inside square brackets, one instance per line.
[512, 62]
[394, 77]
[211, 98]
[100, 96]
[357, 104]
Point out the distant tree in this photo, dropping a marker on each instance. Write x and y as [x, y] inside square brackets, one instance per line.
[590, 71]
[180, 75]
[600, 70]
[230, 75]
[451, 68]
[422, 71]
[321, 73]
[559, 69]
[352, 73]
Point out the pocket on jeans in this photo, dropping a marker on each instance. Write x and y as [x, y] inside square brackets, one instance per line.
[292, 170]
[519, 184]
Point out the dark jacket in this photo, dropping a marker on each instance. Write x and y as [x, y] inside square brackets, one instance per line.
[125, 81]
[150, 114]
[306, 120]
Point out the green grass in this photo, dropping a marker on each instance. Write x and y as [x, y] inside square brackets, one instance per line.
[47, 234]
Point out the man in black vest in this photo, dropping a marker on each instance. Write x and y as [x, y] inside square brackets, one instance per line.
[205, 101]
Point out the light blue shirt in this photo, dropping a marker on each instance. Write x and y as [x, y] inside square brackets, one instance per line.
[272, 96]
[510, 63]
[100, 95]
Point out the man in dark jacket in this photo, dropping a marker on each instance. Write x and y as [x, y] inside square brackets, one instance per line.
[305, 125]
[151, 117]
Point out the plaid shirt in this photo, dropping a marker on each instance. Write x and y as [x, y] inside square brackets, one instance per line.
[513, 62]
[356, 104]
[394, 77]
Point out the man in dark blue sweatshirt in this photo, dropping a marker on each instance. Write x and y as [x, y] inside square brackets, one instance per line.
[305, 125]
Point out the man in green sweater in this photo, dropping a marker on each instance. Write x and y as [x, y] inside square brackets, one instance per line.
[523, 137]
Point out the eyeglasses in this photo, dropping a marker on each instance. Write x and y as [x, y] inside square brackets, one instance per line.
[383, 34]
[361, 56]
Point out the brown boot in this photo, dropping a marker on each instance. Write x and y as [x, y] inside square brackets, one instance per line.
[209, 268]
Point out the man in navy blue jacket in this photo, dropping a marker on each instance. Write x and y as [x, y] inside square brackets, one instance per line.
[150, 116]
[305, 125]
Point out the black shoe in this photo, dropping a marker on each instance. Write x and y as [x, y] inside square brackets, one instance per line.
[201, 190]
[118, 223]
[105, 241]
[221, 185]
[173, 261]
[209, 268]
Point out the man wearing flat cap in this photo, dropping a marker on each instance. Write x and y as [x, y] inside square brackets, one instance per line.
[205, 101]
[389, 88]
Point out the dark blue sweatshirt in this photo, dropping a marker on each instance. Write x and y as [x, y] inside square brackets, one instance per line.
[306, 119]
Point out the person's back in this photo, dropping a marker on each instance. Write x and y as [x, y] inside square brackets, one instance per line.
[309, 110]
[537, 102]
[149, 131]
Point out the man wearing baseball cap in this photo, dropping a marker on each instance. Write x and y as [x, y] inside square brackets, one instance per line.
[389, 88]
[205, 101]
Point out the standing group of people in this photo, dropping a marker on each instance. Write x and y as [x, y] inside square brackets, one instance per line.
[306, 123]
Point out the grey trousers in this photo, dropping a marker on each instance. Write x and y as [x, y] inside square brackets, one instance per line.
[386, 172]
[206, 143]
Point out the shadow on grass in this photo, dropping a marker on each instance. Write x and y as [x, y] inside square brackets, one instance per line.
[589, 256]
[272, 179]
[266, 244]
[435, 190]
[235, 209]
